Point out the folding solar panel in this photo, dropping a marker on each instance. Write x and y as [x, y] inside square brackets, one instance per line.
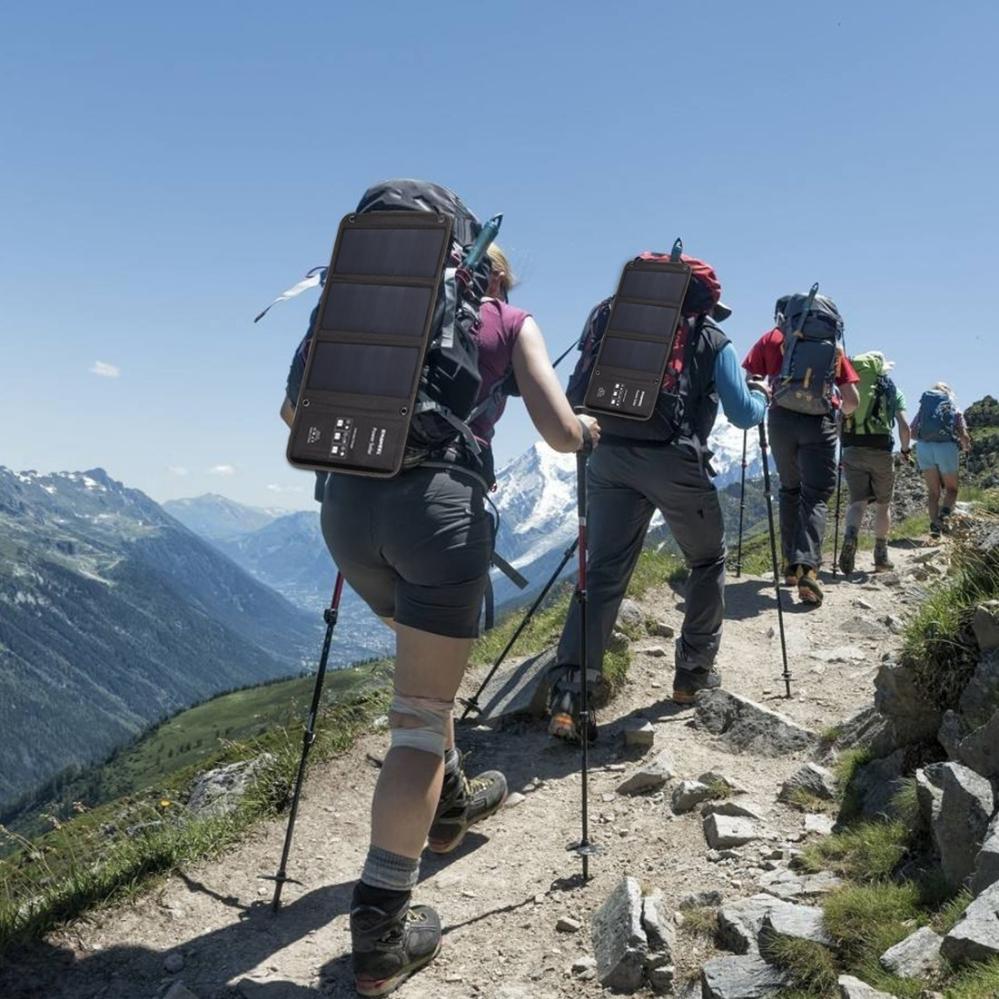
[636, 344]
[372, 331]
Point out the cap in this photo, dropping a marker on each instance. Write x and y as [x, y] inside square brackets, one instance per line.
[721, 312]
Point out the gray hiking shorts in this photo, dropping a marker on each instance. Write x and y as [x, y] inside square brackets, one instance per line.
[869, 474]
[416, 548]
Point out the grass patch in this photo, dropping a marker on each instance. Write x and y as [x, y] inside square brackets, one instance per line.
[806, 801]
[812, 967]
[106, 854]
[975, 982]
[700, 922]
[865, 920]
[867, 852]
[845, 770]
[946, 917]
[655, 568]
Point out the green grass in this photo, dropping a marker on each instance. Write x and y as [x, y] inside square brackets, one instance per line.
[812, 967]
[865, 920]
[700, 922]
[866, 852]
[847, 765]
[107, 853]
[980, 981]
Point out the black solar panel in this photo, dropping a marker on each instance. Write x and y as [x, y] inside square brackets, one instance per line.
[375, 322]
[636, 345]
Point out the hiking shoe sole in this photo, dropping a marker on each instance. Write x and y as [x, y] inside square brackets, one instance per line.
[809, 592]
[382, 987]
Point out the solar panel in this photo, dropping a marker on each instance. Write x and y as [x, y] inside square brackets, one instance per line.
[374, 324]
[638, 339]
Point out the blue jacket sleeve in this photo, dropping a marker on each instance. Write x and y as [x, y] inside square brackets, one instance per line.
[743, 408]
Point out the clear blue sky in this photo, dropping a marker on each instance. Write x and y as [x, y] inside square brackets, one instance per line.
[166, 169]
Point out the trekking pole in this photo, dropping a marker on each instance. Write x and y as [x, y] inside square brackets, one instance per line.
[472, 703]
[742, 505]
[786, 675]
[839, 490]
[584, 847]
[330, 615]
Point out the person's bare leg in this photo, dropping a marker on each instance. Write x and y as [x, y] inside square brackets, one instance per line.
[950, 488]
[409, 785]
[933, 484]
[882, 520]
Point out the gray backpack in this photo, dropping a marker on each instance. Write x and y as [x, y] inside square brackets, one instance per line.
[812, 328]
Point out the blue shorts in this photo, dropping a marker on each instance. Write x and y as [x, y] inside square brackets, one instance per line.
[941, 455]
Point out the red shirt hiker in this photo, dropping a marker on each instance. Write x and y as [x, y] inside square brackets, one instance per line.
[766, 356]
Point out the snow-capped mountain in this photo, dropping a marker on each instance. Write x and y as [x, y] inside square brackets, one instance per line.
[536, 493]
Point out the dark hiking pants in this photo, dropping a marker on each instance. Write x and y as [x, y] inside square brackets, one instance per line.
[626, 486]
[804, 448]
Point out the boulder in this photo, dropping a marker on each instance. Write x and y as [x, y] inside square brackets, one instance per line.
[688, 794]
[718, 780]
[798, 922]
[951, 733]
[746, 726]
[746, 977]
[220, 791]
[854, 988]
[726, 831]
[980, 698]
[959, 818]
[630, 618]
[618, 641]
[660, 932]
[701, 900]
[733, 809]
[876, 784]
[651, 776]
[976, 935]
[896, 696]
[985, 624]
[787, 885]
[916, 956]
[740, 923]
[642, 736]
[868, 729]
[979, 751]
[619, 942]
[814, 780]
[820, 825]
[987, 862]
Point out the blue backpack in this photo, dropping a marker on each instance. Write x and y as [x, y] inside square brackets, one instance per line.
[812, 328]
[937, 417]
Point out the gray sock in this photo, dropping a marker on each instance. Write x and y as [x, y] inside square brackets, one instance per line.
[391, 871]
[452, 762]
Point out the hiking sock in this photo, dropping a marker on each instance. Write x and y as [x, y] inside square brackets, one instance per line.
[389, 900]
[390, 871]
[881, 559]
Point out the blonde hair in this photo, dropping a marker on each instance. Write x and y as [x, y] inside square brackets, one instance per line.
[943, 387]
[502, 269]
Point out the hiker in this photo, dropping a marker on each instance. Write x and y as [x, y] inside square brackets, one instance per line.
[417, 549]
[940, 434]
[661, 464]
[811, 382]
[867, 454]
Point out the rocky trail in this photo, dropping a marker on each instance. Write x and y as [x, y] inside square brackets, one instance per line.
[518, 920]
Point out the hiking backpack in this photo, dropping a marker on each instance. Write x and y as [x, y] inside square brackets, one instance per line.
[812, 328]
[670, 418]
[449, 380]
[877, 410]
[937, 417]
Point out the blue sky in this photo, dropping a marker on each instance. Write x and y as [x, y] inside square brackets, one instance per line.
[167, 169]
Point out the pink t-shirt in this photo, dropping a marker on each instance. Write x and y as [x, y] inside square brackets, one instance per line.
[500, 326]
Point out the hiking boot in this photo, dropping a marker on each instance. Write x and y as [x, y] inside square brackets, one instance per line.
[463, 803]
[388, 947]
[935, 530]
[687, 683]
[882, 563]
[848, 554]
[565, 702]
[809, 588]
[790, 574]
[945, 520]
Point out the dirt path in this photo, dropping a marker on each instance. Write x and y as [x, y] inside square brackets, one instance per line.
[503, 892]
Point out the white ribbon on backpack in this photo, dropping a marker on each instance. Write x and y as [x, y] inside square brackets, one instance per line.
[315, 277]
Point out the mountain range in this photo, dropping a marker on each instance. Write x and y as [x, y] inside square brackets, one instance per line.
[113, 615]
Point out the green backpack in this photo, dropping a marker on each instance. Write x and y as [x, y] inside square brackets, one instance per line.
[875, 415]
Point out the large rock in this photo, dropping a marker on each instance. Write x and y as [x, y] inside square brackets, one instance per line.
[951, 733]
[915, 956]
[980, 698]
[959, 817]
[979, 751]
[789, 886]
[868, 729]
[726, 831]
[986, 625]
[746, 977]
[688, 794]
[660, 934]
[740, 923]
[813, 780]
[854, 988]
[746, 726]
[650, 776]
[797, 922]
[976, 935]
[734, 808]
[987, 862]
[521, 689]
[896, 695]
[220, 791]
[630, 617]
[875, 785]
[619, 941]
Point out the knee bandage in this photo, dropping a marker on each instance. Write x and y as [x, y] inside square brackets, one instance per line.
[432, 716]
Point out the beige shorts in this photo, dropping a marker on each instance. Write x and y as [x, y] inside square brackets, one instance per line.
[869, 473]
